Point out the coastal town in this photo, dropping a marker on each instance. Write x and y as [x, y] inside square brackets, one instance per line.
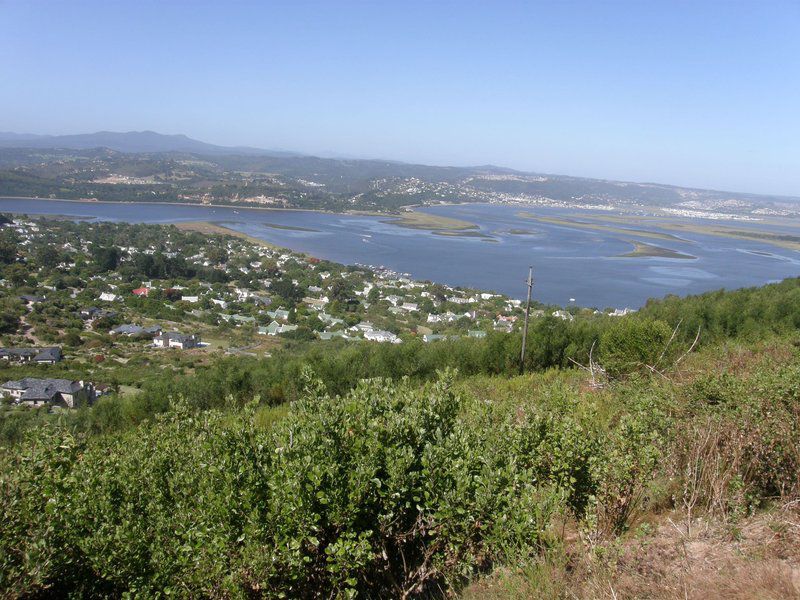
[100, 303]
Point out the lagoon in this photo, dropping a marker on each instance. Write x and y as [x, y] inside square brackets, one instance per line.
[569, 261]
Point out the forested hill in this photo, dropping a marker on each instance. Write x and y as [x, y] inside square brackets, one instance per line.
[147, 166]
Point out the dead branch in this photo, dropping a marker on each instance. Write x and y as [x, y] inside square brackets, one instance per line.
[672, 337]
[694, 343]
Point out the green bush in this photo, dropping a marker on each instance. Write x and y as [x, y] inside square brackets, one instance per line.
[633, 344]
[390, 489]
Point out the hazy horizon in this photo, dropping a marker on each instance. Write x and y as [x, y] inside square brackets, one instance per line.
[697, 94]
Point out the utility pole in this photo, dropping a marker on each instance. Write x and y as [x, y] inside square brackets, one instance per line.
[525, 326]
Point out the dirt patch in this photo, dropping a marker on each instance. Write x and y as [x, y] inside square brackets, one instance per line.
[666, 559]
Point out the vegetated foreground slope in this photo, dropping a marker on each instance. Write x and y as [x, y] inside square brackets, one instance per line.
[407, 488]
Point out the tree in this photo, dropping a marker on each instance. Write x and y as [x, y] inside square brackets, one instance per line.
[287, 290]
[107, 258]
[9, 316]
[341, 291]
[73, 338]
[8, 253]
[17, 274]
[217, 255]
[48, 256]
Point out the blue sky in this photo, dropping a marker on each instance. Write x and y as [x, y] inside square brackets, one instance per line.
[693, 93]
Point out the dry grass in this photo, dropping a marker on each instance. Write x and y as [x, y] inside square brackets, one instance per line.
[423, 220]
[215, 229]
[760, 559]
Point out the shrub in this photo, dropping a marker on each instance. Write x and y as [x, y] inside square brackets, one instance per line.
[388, 490]
[633, 344]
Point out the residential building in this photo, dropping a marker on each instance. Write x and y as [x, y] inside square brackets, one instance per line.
[131, 330]
[381, 336]
[276, 328]
[174, 339]
[42, 356]
[278, 314]
[31, 391]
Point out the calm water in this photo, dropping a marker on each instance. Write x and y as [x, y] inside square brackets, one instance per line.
[568, 262]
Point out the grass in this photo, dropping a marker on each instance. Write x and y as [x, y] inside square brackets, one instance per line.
[665, 561]
[214, 228]
[781, 240]
[466, 234]
[601, 227]
[422, 220]
[288, 227]
[642, 250]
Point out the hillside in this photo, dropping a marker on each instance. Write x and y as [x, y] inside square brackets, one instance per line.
[147, 167]
[650, 455]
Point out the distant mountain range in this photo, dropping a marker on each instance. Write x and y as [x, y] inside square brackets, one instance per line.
[130, 141]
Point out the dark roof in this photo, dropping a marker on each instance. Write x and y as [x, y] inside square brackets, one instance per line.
[38, 354]
[21, 352]
[42, 389]
[128, 329]
[48, 354]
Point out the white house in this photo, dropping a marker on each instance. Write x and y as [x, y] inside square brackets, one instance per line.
[381, 336]
[173, 339]
[447, 317]
[364, 326]
[276, 328]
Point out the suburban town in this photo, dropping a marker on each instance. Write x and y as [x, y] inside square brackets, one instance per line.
[77, 301]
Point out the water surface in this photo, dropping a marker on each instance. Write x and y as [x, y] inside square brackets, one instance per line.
[568, 262]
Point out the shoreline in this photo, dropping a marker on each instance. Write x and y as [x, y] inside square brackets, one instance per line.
[231, 206]
[408, 217]
[210, 228]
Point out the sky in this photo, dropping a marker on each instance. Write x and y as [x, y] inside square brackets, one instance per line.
[697, 93]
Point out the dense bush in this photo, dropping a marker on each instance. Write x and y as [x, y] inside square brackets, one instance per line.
[389, 490]
[634, 346]
[740, 447]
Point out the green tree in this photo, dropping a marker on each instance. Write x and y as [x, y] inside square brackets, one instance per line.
[106, 258]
